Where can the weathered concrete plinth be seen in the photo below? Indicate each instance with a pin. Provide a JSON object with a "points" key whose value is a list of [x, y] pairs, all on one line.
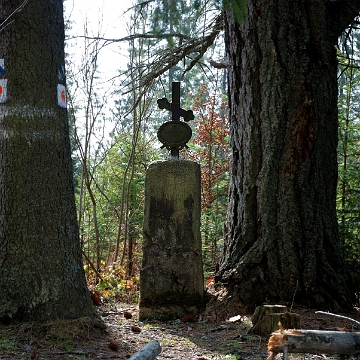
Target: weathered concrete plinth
{"points": [[171, 278]]}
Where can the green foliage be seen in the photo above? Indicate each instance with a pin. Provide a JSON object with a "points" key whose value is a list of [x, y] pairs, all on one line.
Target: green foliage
{"points": [[348, 194], [111, 171], [184, 36], [169, 14], [115, 283], [238, 9], [173, 13], [108, 185], [8, 346], [211, 150]]}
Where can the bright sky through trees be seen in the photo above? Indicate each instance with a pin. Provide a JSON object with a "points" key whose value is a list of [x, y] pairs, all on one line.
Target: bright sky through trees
{"points": [[107, 19]]}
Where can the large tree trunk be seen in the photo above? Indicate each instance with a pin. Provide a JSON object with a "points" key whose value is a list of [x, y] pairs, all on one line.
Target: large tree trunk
{"points": [[281, 235], [41, 273]]}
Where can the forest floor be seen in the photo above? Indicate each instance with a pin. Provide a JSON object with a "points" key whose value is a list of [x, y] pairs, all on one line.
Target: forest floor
{"points": [[117, 336]]}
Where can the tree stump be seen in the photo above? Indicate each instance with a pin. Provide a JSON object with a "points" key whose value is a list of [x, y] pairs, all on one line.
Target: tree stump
{"points": [[266, 318]]}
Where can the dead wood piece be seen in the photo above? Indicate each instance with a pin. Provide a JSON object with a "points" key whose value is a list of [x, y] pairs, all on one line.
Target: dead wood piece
{"points": [[266, 318], [149, 352], [339, 316], [265, 310], [314, 342]]}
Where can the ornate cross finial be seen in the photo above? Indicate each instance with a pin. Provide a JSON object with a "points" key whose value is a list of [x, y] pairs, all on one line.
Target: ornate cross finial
{"points": [[175, 134]]}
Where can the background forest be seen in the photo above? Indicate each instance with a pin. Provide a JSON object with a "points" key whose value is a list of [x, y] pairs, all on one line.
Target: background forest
{"points": [[114, 122]]}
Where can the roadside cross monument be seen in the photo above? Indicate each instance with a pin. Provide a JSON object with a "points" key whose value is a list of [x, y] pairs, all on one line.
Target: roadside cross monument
{"points": [[171, 277], [175, 134]]}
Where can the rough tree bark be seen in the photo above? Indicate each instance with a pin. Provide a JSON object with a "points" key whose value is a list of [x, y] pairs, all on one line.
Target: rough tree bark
{"points": [[41, 273], [281, 235]]}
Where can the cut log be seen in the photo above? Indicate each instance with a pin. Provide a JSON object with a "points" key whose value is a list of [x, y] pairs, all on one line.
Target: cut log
{"points": [[266, 318], [314, 342], [149, 352]]}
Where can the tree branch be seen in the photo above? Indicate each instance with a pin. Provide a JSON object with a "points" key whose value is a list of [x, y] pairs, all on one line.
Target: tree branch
{"points": [[173, 56], [134, 37], [341, 14], [339, 316], [3, 25]]}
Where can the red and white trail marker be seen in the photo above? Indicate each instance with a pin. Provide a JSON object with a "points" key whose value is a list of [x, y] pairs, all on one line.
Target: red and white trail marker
{"points": [[61, 94], [3, 90]]}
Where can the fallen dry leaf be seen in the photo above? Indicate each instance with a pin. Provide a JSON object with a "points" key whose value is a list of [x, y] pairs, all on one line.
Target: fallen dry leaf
{"points": [[135, 329], [95, 297], [114, 345], [127, 315], [188, 318], [341, 328]]}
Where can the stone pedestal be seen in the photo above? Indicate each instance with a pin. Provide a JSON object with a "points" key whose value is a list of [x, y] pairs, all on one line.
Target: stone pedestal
{"points": [[171, 278]]}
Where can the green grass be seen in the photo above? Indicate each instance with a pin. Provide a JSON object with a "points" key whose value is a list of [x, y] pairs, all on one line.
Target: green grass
{"points": [[8, 345]]}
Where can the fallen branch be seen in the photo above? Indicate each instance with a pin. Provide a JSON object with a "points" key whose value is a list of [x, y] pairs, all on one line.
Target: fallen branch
{"points": [[149, 352], [313, 342], [339, 316]]}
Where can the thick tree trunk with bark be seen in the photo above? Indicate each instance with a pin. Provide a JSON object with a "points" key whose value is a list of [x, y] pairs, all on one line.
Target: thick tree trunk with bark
{"points": [[281, 235], [41, 273]]}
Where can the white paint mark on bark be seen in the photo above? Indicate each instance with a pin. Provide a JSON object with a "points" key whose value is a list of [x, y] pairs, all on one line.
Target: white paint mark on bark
{"points": [[30, 137], [26, 111]]}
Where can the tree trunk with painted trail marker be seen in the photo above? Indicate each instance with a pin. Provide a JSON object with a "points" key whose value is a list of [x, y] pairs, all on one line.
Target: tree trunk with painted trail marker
{"points": [[41, 271]]}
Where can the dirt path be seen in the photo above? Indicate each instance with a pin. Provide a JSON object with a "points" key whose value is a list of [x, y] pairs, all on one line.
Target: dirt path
{"points": [[117, 336]]}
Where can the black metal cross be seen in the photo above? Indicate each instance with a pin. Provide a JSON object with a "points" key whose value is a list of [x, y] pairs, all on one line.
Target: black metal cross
{"points": [[175, 134], [174, 107]]}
